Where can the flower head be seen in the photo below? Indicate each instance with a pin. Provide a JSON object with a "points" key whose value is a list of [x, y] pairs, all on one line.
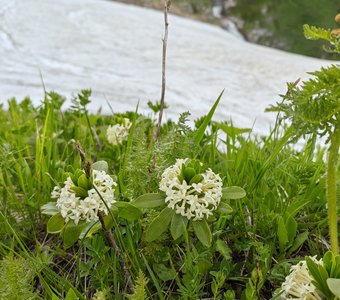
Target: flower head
{"points": [[189, 191], [77, 203], [117, 133], [298, 284]]}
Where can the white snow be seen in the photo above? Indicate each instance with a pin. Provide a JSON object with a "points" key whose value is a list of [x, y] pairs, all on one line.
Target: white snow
{"points": [[115, 49]]}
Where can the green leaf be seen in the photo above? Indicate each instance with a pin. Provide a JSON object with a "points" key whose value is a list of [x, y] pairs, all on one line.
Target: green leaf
{"points": [[84, 182], [315, 33], [202, 231], [233, 192], [49, 208], [71, 295], [282, 233], [223, 249], [188, 174], [149, 200], [100, 165], [196, 179], [164, 273], [300, 239], [291, 227], [224, 208], [55, 224], [80, 192], [334, 286], [200, 131], [128, 211], [71, 233], [159, 224], [178, 226], [328, 261]]}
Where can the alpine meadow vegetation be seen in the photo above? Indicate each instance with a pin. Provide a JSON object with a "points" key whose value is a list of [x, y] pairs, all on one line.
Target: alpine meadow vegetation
{"points": [[100, 207]]}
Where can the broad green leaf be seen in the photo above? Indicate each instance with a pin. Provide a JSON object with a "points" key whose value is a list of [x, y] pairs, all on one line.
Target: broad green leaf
{"points": [[291, 227], [71, 295], [80, 192], [178, 226], [196, 179], [298, 241], [128, 211], [188, 173], [84, 182], [224, 208], [49, 208], [334, 286], [282, 233], [233, 192], [159, 224], [328, 261], [164, 273], [149, 200], [202, 231], [100, 165], [223, 249], [71, 233], [335, 273], [55, 224], [90, 228], [200, 131]]}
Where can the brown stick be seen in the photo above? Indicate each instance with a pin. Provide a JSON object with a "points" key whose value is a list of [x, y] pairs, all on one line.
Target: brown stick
{"points": [[117, 251], [167, 4]]}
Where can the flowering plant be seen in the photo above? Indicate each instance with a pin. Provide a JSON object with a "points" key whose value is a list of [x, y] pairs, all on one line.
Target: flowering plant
{"points": [[192, 195], [117, 133], [82, 200]]}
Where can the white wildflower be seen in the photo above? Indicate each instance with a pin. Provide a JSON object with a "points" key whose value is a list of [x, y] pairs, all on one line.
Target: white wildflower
{"points": [[298, 284], [73, 207], [193, 201], [116, 134]]}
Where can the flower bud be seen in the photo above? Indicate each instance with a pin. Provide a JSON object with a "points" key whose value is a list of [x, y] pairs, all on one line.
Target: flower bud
{"points": [[337, 18]]}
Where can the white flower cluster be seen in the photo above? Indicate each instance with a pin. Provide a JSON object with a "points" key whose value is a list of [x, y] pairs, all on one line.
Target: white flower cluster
{"points": [[116, 134], [75, 208], [194, 201], [298, 284]]}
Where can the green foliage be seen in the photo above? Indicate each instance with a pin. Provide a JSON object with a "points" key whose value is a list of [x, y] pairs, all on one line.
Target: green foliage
{"points": [[278, 24], [315, 33], [16, 279], [228, 256], [140, 286], [326, 275], [314, 108]]}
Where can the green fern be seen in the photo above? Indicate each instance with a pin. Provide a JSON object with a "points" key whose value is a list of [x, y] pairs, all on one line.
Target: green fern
{"points": [[140, 287], [16, 279], [315, 33]]}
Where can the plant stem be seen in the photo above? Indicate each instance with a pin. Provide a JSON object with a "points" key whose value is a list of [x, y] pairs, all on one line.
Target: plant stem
{"points": [[117, 251], [333, 154], [167, 4]]}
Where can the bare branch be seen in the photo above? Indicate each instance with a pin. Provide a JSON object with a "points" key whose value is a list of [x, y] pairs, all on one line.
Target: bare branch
{"points": [[167, 4]]}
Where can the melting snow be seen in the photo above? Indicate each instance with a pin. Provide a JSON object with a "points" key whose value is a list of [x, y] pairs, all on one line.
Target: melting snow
{"points": [[115, 49]]}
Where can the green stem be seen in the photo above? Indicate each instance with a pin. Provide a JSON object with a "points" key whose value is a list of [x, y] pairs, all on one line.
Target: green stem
{"points": [[331, 190]]}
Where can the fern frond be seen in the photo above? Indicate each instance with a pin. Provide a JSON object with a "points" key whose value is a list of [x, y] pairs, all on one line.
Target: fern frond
{"points": [[16, 279], [140, 287]]}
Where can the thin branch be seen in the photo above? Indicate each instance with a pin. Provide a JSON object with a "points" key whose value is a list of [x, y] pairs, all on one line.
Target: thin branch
{"points": [[117, 251], [108, 232], [167, 4]]}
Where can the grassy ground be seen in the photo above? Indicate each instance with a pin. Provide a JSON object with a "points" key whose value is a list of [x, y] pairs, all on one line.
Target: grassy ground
{"points": [[281, 219]]}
